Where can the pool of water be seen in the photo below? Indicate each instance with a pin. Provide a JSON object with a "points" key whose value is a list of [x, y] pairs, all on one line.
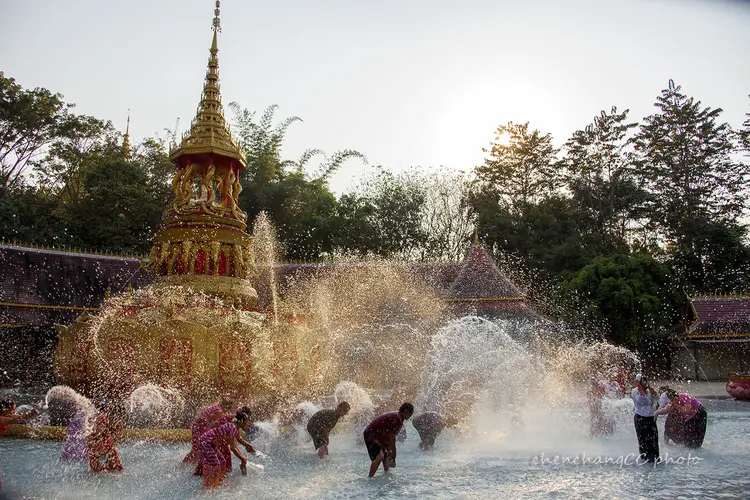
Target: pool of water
{"points": [[497, 460]]}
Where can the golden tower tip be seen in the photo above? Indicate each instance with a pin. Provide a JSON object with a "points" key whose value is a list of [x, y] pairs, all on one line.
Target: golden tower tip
{"points": [[209, 132], [126, 151]]}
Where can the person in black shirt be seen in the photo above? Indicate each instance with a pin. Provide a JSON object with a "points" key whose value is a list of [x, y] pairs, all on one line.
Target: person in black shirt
{"points": [[321, 423]]}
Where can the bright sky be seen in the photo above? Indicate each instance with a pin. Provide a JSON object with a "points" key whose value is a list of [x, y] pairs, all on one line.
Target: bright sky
{"points": [[406, 82]]}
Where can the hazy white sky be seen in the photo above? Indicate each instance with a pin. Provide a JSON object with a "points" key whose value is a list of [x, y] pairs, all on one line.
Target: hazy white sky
{"points": [[406, 82]]}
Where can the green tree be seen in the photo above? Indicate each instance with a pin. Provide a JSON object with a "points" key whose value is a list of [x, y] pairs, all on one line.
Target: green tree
{"points": [[546, 236], [29, 121], [635, 296], [69, 157], [745, 133], [599, 175], [520, 168], [117, 211], [30, 215], [300, 205], [687, 161], [383, 217]]}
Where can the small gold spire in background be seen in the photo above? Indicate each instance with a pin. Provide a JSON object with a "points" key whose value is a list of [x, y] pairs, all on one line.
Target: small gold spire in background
{"points": [[126, 140]]}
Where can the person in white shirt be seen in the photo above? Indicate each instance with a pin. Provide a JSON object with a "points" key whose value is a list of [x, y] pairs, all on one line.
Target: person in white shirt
{"points": [[644, 397]]}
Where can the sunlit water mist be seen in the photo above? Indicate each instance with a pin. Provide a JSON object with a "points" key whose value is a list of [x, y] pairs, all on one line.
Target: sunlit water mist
{"points": [[266, 250], [486, 376], [366, 316]]}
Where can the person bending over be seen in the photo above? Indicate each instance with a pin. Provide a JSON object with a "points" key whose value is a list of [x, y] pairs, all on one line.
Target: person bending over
{"points": [[429, 425], [380, 437], [321, 423]]}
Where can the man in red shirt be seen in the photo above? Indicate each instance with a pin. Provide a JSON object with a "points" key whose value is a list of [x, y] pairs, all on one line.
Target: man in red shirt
{"points": [[380, 437]]}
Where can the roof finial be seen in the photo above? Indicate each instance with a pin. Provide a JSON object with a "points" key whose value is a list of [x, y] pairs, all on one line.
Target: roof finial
{"points": [[209, 131], [217, 22], [126, 140]]}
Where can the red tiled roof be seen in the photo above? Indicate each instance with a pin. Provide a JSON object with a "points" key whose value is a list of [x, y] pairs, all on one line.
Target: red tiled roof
{"points": [[720, 317], [723, 309], [480, 278]]}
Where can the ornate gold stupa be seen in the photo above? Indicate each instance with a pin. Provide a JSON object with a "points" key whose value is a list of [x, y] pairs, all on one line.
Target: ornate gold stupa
{"points": [[197, 328]]}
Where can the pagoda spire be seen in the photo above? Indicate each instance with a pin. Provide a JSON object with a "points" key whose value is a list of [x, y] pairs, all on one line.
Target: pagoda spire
{"points": [[209, 132], [126, 151]]}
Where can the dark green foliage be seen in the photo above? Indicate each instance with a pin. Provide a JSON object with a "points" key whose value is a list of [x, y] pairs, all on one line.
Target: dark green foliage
{"points": [[29, 120], [599, 174], [687, 160], [117, 212], [383, 219], [634, 295]]}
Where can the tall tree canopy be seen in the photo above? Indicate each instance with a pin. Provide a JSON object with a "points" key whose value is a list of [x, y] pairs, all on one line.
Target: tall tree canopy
{"points": [[687, 160], [521, 165], [599, 175]]}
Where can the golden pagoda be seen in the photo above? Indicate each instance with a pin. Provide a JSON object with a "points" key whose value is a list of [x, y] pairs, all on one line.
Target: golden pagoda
{"points": [[197, 329], [203, 235]]}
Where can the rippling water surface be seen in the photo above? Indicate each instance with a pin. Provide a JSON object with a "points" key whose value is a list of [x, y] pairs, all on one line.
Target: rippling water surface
{"points": [[501, 461]]}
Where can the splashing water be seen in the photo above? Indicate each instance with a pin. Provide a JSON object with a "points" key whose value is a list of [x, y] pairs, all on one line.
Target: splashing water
{"points": [[153, 406], [266, 249], [63, 402], [472, 359], [358, 398]]}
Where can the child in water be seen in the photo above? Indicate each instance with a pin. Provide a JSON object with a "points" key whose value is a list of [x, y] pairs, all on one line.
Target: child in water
{"points": [[206, 418], [103, 440]]}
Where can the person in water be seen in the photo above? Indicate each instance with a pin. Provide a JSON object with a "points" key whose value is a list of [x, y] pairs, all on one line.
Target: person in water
{"points": [[644, 397], [204, 420], [673, 426], [226, 452], [691, 414], [215, 469], [380, 437], [102, 442], [429, 425], [321, 423], [601, 425], [8, 415], [74, 448]]}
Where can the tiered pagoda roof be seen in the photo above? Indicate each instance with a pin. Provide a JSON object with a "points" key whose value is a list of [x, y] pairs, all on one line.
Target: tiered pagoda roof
{"points": [[482, 288]]}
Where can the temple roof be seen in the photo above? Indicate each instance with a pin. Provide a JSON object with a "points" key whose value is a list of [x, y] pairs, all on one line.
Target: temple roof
{"points": [[720, 317], [480, 278], [43, 287]]}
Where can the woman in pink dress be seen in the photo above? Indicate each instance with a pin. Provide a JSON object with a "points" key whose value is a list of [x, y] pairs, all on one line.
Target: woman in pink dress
{"points": [[213, 441], [693, 416], [206, 418]]}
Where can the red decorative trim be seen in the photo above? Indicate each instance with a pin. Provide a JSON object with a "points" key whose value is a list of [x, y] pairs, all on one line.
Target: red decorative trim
{"points": [[181, 351]]}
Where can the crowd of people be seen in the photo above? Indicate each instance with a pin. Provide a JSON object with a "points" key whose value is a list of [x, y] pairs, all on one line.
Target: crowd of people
{"points": [[686, 417], [221, 429]]}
